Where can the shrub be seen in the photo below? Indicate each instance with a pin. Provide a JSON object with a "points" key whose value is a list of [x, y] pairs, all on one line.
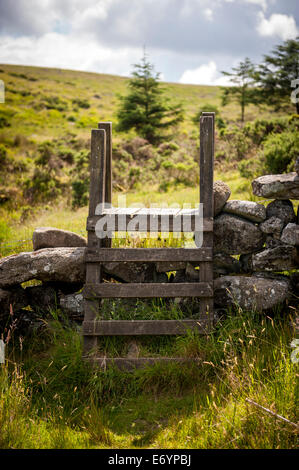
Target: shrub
{"points": [[42, 186], [81, 103], [80, 193], [280, 151], [54, 102], [3, 155], [259, 129]]}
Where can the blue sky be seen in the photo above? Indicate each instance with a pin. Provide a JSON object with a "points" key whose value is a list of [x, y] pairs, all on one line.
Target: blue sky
{"points": [[189, 41]]}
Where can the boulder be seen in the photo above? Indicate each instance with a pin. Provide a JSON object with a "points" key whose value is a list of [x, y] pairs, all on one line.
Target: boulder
{"points": [[285, 186], [42, 298], [166, 266], [72, 305], [273, 225], [49, 237], [134, 272], [281, 209], [250, 293], [226, 262], [246, 263], [248, 209], [290, 235], [273, 241], [280, 258], [11, 301], [221, 193], [66, 266], [49, 264], [234, 235]]}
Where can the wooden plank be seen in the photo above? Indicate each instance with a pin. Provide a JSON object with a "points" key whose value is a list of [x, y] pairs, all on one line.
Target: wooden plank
{"points": [[154, 211], [148, 290], [149, 255], [154, 222], [107, 127], [96, 196], [207, 142], [143, 327], [97, 169], [91, 306], [125, 363]]}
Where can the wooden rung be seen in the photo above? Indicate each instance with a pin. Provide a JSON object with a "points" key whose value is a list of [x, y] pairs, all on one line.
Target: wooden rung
{"points": [[138, 362], [143, 327], [103, 255], [153, 222], [138, 290]]}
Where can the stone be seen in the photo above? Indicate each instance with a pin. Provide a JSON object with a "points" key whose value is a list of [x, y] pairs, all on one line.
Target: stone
{"points": [[234, 235], [72, 305], [281, 209], [285, 186], [133, 349], [272, 225], [273, 241], [226, 262], [49, 237], [248, 209], [181, 276], [134, 272], [295, 283], [290, 235], [250, 293], [66, 266], [11, 301], [48, 264], [280, 258], [297, 166], [166, 266], [221, 193], [246, 263], [41, 298]]}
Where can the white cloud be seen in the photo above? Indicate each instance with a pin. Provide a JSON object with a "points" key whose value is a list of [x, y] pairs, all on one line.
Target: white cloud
{"points": [[68, 51], [279, 25], [208, 13], [205, 74]]}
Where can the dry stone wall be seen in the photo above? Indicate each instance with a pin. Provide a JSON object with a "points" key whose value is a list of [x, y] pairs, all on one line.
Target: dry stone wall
{"points": [[256, 258]]}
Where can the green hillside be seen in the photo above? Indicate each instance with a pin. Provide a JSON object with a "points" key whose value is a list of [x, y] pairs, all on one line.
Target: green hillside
{"points": [[43, 102]]}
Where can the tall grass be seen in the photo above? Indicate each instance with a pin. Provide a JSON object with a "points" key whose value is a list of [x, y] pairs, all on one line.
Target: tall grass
{"points": [[50, 398]]}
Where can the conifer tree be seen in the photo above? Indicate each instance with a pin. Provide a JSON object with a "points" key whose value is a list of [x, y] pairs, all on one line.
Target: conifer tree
{"points": [[244, 90], [145, 108], [276, 74]]}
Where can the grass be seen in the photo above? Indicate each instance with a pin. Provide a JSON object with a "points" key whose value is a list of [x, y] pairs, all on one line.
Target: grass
{"points": [[50, 399]]}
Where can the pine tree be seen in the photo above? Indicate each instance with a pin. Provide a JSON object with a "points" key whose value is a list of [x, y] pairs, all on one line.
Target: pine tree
{"points": [[145, 108], [244, 91], [276, 73]]}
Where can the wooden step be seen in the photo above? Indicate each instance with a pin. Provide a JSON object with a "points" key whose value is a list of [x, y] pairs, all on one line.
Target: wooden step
{"points": [[103, 255], [150, 220], [144, 327], [148, 290], [138, 362]]}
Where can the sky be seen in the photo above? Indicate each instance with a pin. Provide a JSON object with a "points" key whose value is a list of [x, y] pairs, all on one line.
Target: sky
{"points": [[188, 41]]}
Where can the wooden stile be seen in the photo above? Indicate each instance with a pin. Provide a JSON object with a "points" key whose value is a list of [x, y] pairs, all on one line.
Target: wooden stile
{"points": [[99, 251]]}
